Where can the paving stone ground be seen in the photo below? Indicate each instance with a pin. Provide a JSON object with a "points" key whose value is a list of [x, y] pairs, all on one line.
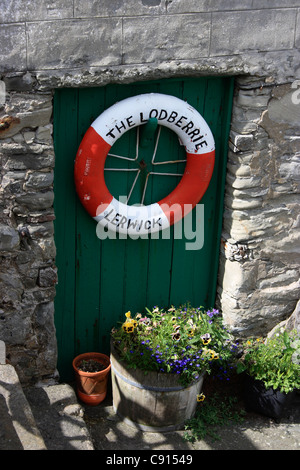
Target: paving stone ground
{"points": [[52, 418], [255, 432]]}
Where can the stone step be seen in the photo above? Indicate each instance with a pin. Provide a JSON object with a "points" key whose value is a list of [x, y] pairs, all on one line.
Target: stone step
{"points": [[18, 429], [39, 418], [59, 417]]}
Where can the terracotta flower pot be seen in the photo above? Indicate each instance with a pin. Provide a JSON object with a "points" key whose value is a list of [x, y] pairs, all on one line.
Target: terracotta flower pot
{"points": [[92, 386]]}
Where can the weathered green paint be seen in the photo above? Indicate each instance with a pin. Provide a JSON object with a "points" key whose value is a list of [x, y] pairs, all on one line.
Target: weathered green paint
{"points": [[147, 132], [98, 281]]}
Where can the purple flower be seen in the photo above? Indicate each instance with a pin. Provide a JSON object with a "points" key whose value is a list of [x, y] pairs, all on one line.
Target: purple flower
{"points": [[214, 312]]}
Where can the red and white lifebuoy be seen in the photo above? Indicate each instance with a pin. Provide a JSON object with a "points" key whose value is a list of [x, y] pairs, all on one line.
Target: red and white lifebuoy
{"points": [[171, 112]]}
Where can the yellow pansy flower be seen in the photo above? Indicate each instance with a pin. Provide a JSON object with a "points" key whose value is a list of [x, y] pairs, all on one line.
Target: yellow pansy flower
{"points": [[128, 327], [206, 339], [201, 397]]}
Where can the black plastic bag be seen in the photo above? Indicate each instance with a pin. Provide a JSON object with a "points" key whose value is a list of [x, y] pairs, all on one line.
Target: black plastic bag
{"points": [[268, 402]]}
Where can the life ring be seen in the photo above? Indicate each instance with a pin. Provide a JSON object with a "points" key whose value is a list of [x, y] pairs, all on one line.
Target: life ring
{"points": [[193, 133]]}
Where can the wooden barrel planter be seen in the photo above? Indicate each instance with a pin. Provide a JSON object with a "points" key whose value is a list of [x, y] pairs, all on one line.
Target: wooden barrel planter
{"points": [[152, 401]]}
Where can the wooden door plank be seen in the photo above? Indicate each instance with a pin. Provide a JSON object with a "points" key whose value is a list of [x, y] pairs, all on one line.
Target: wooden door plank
{"points": [[161, 249], [65, 142], [137, 251], [91, 103], [184, 262], [113, 260], [218, 109], [196, 266]]}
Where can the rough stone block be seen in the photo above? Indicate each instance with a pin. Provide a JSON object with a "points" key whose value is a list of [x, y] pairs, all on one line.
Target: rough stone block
{"points": [[241, 142], [44, 134], [16, 329], [242, 204], [12, 12], [42, 230], [13, 47], [25, 110], [19, 82], [9, 238], [189, 6], [36, 201], [13, 181], [259, 30], [47, 277], [297, 38], [30, 161], [28, 137], [294, 321], [177, 37], [257, 4], [237, 279], [2, 352], [287, 108], [39, 180], [290, 169], [253, 100], [107, 8], [239, 170], [74, 43]]}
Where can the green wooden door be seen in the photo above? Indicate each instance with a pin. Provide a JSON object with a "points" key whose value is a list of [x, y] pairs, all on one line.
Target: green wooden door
{"points": [[99, 280]]}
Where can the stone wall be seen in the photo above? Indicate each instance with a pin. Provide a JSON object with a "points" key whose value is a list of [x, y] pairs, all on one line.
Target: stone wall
{"points": [[67, 43], [27, 249], [259, 264]]}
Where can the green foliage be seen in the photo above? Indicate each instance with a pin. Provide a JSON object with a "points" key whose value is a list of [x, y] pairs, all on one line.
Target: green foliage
{"points": [[213, 413], [276, 361], [185, 341]]}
